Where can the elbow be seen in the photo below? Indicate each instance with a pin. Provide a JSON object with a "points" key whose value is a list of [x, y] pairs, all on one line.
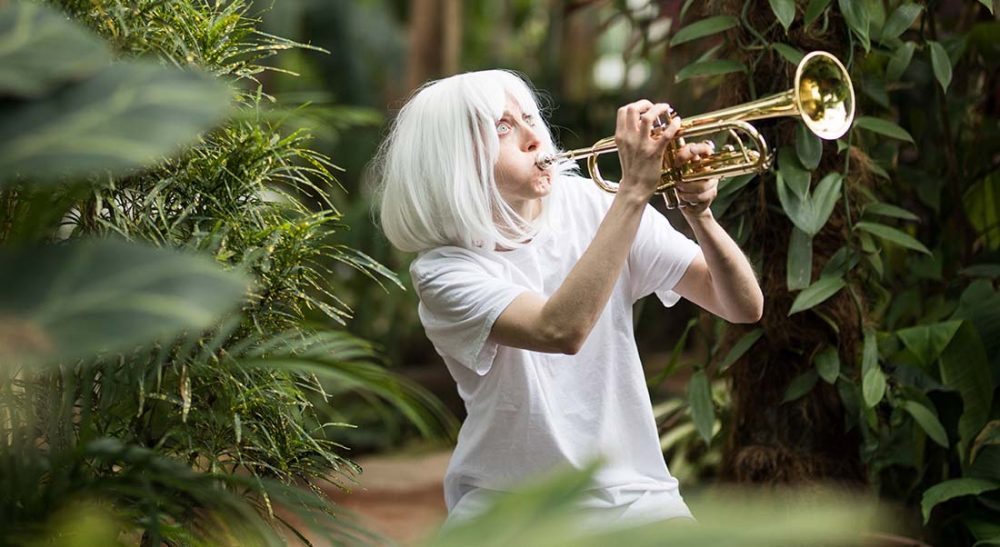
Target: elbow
{"points": [[566, 341], [752, 312]]}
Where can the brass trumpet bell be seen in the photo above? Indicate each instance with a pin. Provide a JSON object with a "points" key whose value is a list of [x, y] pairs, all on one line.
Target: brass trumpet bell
{"points": [[822, 96]]}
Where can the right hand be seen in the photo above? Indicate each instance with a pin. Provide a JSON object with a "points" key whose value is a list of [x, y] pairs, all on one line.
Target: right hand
{"points": [[639, 150]]}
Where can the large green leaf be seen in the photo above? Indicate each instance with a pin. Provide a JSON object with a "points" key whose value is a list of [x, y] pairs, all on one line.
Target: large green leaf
{"points": [[700, 401], [791, 54], [808, 147], [928, 341], [784, 11], [940, 63], [39, 49], [704, 27], [800, 254], [73, 301], [883, 127], [128, 116], [954, 488], [858, 18], [814, 9], [873, 386], [816, 294], [900, 60], [794, 173], [800, 385], [810, 213], [712, 67], [886, 209], [927, 421], [740, 347], [964, 367], [901, 19], [892, 234], [982, 205], [828, 364]]}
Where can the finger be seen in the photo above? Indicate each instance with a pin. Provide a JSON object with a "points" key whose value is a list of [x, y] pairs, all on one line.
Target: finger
{"points": [[651, 116], [695, 150], [671, 130], [635, 110]]}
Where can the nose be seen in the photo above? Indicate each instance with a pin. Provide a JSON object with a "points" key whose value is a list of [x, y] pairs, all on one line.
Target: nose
{"points": [[529, 140]]}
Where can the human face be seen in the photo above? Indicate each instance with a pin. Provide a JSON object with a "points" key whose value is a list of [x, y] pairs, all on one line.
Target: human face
{"points": [[520, 181]]}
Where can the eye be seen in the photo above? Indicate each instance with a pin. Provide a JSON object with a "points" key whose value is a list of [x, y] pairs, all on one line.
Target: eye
{"points": [[530, 120], [503, 128]]}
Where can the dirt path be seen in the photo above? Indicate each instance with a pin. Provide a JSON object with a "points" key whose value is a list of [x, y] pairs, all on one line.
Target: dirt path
{"points": [[400, 497]]}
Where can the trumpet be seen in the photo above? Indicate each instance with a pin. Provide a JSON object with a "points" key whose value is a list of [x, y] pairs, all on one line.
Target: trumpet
{"points": [[822, 96]]}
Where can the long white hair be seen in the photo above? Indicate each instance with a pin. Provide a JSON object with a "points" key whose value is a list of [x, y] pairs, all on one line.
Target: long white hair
{"points": [[433, 175]]}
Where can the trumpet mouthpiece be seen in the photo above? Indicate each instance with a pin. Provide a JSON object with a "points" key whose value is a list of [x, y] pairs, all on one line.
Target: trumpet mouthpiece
{"points": [[545, 160]]}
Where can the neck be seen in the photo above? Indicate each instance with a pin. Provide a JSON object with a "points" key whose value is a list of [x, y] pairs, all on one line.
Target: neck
{"points": [[528, 209]]}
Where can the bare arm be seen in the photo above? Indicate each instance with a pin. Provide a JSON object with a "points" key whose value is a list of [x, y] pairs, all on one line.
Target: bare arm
{"points": [[562, 322]]}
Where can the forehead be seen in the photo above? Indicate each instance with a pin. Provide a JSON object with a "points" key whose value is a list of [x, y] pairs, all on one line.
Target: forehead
{"points": [[513, 108]]}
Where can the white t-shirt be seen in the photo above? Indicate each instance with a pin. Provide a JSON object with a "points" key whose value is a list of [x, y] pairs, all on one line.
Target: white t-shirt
{"points": [[530, 412]]}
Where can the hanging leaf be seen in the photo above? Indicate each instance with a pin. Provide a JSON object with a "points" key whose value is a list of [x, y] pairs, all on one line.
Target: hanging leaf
{"points": [[77, 300], [128, 116], [892, 234], [808, 147], [825, 198], [940, 63], [927, 421], [704, 27], [869, 356], [800, 385], [858, 18], [888, 210], [964, 367], [791, 54], [742, 345], [700, 401], [944, 491], [988, 4], [927, 342], [784, 10], [42, 49], [883, 127], [709, 68], [982, 207], [800, 254], [814, 9], [899, 61], [901, 19], [828, 364], [817, 293], [873, 386], [793, 171]]}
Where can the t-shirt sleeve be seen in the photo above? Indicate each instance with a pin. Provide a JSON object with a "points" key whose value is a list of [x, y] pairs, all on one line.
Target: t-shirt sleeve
{"points": [[659, 257], [460, 300]]}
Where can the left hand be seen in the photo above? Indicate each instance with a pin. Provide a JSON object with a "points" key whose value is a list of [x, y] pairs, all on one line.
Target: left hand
{"points": [[700, 194]]}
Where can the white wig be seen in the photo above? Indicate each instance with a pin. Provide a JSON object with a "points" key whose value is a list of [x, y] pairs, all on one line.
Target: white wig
{"points": [[434, 176]]}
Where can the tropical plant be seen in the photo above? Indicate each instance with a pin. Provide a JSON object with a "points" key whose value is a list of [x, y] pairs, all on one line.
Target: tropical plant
{"points": [[877, 360], [126, 375]]}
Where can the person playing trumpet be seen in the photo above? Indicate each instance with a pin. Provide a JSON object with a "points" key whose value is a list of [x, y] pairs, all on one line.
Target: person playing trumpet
{"points": [[527, 277]]}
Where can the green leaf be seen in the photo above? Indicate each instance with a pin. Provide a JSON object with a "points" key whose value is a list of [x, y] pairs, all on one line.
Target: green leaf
{"points": [[991, 271], [791, 54], [784, 10], [892, 234], [128, 116], [808, 147], [940, 63], [77, 300], [901, 19], [883, 127], [951, 489], [814, 9], [800, 254], [928, 341], [800, 385], [965, 368], [869, 355], [989, 436], [888, 210], [900, 60], [988, 4], [704, 27], [928, 421], [709, 68], [873, 386], [817, 293], [828, 364], [702, 409], [982, 207], [742, 345], [793, 172], [825, 199], [857, 17], [40, 49]]}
